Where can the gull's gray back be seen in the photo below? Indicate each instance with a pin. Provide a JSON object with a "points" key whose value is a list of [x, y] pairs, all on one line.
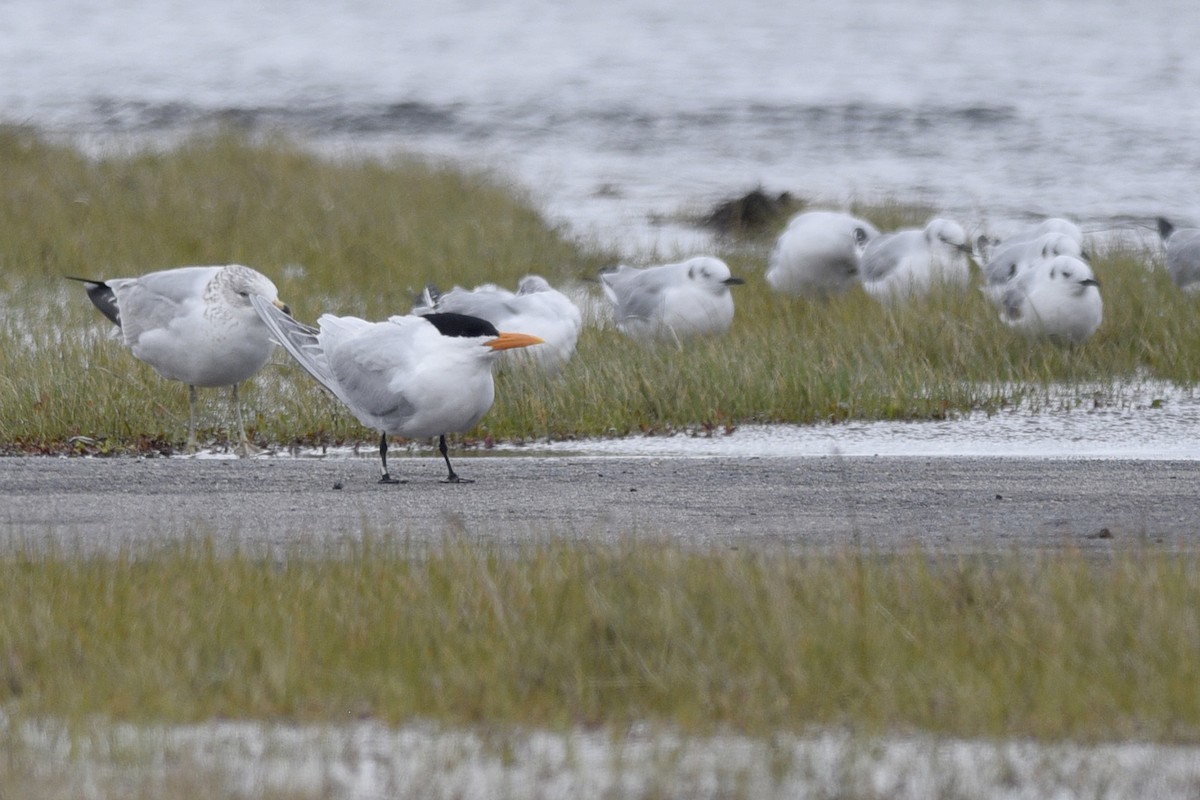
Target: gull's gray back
{"points": [[884, 253], [1183, 257]]}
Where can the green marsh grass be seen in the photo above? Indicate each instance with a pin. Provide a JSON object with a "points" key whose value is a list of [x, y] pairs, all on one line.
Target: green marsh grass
{"points": [[361, 235], [559, 635]]}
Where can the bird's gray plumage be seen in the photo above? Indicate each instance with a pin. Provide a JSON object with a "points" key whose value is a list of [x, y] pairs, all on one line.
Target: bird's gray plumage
{"points": [[1182, 247]]}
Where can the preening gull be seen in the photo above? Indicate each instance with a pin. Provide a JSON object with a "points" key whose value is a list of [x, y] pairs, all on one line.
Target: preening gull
{"points": [[819, 253], [195, 325]]}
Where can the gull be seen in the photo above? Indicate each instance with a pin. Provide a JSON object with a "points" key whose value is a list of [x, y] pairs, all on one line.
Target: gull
{"points": [[910, 262], [672, 301], [536, 308], [1183, 254], [1011, 259], [818, 253], [1058, 298], [412, 376], [193, 324], [1028, 233]]}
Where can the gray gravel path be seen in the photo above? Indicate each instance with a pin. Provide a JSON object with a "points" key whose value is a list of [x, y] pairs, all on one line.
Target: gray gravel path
{"points": [[947, 504]]}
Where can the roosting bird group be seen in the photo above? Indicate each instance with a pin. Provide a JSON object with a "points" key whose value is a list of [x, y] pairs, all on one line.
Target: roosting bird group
{"points": [[428, 373]]}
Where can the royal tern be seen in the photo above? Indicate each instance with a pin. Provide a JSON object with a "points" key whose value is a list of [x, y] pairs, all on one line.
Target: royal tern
{"points": [[193, 324], [1058, 298], [1183, 254], [411, 376], [910, 262], [536, 308], [672, 301], [818, 253]]}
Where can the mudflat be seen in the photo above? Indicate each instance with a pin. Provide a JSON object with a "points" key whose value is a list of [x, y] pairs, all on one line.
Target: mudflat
{"points": [[831, 502]]}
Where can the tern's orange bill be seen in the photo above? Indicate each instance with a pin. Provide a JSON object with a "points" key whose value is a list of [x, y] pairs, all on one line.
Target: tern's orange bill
{"points": [[507, 341]]}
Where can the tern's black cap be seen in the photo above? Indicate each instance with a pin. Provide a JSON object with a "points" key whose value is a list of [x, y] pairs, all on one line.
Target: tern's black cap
{"points": [[449, 324]]}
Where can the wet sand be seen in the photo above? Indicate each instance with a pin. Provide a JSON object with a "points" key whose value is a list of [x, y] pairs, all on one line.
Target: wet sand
{"points": [[885, 503]]}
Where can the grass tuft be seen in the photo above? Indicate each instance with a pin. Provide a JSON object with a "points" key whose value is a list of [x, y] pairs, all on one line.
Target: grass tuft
{"points": [[362, 236], [561, 634]]}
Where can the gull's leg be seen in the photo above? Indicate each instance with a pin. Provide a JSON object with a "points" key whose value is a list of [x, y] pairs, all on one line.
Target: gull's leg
{"points": [[383, 461], [245, 449], [191, 440], [453, 476]]}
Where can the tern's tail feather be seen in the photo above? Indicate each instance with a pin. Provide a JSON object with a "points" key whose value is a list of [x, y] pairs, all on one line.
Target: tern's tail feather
{"points": [[298, 339]]}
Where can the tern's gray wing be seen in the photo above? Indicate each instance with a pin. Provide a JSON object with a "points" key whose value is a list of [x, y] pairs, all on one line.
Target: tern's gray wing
{"points": [[373, 364], [1183, 256], [884, 253]]}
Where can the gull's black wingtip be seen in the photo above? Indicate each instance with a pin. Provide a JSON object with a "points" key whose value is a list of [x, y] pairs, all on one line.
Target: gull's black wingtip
{"points": [[1165, 228], [102, 297]]}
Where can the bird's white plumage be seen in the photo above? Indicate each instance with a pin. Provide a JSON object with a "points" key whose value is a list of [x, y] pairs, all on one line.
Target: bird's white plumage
{"points": [[908, 263], [193, 324], [1010, 259], [818, 253], [1027, 233], [1182, 246], [1058, 298], [401, 376], [672, 301], [406, 376], [535, 308], [196, 324]]}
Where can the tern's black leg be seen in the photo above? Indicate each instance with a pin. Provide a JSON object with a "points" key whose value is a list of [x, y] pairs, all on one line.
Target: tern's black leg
{"points": [[383, 461], [453, 476]]}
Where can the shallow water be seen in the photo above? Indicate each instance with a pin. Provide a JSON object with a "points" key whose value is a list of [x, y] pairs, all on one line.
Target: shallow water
{"points": [[1155, 422], [369, 760], [616, 114]]}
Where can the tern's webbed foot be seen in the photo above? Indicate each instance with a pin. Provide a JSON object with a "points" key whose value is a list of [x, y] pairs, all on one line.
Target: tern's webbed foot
{"points": [[456, 479], [389, 479]]}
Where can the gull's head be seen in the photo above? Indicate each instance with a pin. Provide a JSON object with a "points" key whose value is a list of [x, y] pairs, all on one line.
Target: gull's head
{"points": [[533, 283], [1073, 275], [947, 233], [1059, 244], [475, 330], [862, 235], [1063, 226], [711, 273], [238, 283], [983, 247]]}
